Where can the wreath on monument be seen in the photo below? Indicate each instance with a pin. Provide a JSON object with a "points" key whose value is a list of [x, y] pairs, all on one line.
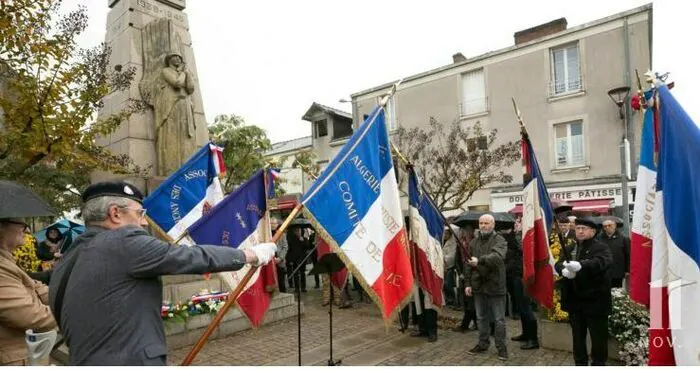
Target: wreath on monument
{"points": [[205, 302]]}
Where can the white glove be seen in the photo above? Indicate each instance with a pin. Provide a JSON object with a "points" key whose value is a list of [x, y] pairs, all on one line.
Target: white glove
{"points": [[568, 274], [572, 266], [473, 261], [264, 252]]}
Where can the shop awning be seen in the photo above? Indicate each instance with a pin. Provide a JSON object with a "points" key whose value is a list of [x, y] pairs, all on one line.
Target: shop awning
{"points": [[598, 206]]}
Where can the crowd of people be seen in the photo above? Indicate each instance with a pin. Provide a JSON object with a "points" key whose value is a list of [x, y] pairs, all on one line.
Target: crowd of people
{"points": [[482, 277]]}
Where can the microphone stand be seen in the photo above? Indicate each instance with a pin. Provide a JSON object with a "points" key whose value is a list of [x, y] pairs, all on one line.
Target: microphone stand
{"points": [[296, 273]]}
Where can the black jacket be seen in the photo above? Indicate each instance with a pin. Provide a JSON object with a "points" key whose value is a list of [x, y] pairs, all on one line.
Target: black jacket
{"points": [[589, 291], [514, 256], [620, 248], [297, 248], [489, 276]]}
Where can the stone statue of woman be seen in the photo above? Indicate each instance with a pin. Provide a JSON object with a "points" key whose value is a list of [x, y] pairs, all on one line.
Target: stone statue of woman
{"points": [[174, 115]]}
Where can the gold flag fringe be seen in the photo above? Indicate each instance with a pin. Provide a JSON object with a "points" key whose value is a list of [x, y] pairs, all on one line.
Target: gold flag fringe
{"points": [[388, 320]]}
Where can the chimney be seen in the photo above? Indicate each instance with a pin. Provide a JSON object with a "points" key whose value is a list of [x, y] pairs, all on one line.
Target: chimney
{"points": [[542, 30], [458, 58]]}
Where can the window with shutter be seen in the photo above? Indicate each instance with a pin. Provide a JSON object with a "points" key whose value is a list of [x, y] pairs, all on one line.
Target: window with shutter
{"points": [[473, 93]]}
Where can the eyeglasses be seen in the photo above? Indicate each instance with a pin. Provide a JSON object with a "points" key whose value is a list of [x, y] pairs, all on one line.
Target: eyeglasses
{"points": [[141, 211], [26, 226]]}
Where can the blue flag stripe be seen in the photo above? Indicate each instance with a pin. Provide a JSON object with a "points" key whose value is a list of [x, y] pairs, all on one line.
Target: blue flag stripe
{"points": [[541, 187], [233, 219], [425, 207], [343, 194], [182, 191], [354, 141], [646, 156], [679, 174]]}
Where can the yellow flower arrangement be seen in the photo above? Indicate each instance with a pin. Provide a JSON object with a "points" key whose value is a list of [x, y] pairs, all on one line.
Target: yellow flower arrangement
{"points": [[556, 314], [25, 255]]}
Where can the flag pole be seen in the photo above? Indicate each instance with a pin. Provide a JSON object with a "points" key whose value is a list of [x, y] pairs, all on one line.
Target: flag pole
{"points": [[427, 195], [233, 296], [526, 137]]}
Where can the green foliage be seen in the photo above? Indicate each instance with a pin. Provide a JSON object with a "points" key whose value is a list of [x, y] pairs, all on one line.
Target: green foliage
{"points": [[244, 148], [456, 161], [50, 94]]}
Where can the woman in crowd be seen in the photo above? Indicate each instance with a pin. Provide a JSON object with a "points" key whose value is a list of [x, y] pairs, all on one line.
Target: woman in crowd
{"points": [[23, 301]]}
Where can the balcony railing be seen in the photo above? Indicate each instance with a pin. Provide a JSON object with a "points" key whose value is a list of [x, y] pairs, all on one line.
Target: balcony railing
{"points": [[570, 86]]}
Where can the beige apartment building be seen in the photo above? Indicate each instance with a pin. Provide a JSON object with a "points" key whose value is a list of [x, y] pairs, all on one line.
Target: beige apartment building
{"points": [[560, 78]]}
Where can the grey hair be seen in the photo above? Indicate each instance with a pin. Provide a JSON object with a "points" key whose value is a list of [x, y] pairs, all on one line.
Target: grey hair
{"points": [[97, 209]]}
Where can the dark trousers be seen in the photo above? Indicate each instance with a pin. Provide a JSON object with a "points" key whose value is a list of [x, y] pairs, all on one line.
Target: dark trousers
{"points": [[449, 287], [296, 280], [469, 315], [427, 320], [527, 317], [597, 325], [616, 282], [513, 302], [281, 280], [314, 259]]}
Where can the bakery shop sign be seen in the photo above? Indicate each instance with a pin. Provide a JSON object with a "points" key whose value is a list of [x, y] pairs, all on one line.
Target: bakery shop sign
{"points": [[573, 195]]}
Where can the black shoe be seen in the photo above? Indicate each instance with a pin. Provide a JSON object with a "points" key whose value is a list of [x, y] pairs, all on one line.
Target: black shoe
{"points": [[477, 350], [461, 329], [530, 345], [503, 355], [519, 338], [432, 338], [516, 317]]}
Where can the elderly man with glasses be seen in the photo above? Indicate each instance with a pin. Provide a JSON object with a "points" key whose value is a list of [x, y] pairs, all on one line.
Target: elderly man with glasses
{"points": [[619, 246], [585, 292], [106, 293]]}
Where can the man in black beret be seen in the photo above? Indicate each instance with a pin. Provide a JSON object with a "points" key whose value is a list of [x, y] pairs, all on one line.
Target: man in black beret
{"points": [[585, 292], [106, 293]]}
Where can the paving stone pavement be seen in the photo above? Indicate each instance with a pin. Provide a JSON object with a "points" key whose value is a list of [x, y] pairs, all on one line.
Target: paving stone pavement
{"points": [[359, 338]]}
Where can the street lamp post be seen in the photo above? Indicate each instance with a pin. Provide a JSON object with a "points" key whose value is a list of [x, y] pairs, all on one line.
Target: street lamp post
{"points": [[619, 96]]}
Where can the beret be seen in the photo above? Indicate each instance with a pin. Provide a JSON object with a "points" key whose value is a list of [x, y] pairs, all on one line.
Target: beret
{"points": [[112, 188], [587, 221]]}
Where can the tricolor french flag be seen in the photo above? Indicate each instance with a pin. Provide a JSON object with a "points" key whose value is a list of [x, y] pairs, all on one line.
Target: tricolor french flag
{"points": [[188, 193], [355, 205], [427, 227], [645, 199], [538, 262], [676, 235], [241, 220]]}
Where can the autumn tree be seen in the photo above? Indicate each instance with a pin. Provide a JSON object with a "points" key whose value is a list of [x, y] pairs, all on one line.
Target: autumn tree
{"points": [[244, 148], [50, 93], [455, 161]]}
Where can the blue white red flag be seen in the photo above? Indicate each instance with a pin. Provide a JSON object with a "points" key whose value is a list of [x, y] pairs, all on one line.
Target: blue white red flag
{"points": [[538, 262], [241, 220], [355, 205], [645, 198], [676, 242], [427, 227], [188, 193]]}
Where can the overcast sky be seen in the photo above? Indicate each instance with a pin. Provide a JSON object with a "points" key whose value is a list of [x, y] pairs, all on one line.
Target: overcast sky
{"points": [[269, 60]]}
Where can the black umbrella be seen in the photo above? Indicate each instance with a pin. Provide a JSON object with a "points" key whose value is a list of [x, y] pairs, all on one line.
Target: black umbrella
{"points": [[17, 201], [599, 220], [468, 218], [301, 223], [471, 218], [504, 220]]}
